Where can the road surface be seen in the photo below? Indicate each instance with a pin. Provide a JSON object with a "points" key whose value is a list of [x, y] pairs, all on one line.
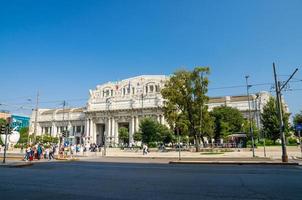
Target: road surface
{"points": [[96, 180]]}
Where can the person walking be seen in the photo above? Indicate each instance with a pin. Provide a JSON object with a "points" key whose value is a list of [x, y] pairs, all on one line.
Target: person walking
{"points": [[145, 149], [39, 151], [27, 153]]}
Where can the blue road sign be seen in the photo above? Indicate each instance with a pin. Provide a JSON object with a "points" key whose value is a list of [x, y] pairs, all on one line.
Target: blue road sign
{"points": [[299, 127]]}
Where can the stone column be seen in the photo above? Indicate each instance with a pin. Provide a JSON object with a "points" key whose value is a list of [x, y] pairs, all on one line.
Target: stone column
{"points": [[86, 130], [90, 130], [113, 130], [136, 123], [158, 118], [131, 133], [94, 133], [163, 120], [70, 129], [53, 132], [108, 128], [116, 134]]}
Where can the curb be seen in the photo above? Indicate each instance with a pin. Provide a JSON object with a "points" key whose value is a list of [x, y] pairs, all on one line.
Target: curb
{"points": [[233, 163], [17, 165], [66, 159]]}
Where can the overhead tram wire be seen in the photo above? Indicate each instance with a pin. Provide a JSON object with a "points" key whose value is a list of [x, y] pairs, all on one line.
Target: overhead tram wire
{"points": [[85, 99]]}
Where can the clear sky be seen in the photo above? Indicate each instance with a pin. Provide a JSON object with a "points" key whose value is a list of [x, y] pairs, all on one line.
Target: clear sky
{"points": [[64, 48]]}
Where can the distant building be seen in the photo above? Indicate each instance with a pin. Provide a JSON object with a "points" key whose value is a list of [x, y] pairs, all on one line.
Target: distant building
{"points": [[4, 114], [124, 104]]}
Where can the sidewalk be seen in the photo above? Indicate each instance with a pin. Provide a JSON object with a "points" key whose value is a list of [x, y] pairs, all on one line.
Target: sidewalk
{"points": [[271, 153], [238, 156]]}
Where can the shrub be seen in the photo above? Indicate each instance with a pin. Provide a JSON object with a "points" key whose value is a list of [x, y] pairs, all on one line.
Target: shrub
{"points": [[291, 141]]}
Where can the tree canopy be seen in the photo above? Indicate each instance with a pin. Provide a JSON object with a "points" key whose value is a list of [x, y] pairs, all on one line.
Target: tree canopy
{"points": [[123, 135], [298, 118], [185, 95], [152, 131], [270, 120], [227, 120]]}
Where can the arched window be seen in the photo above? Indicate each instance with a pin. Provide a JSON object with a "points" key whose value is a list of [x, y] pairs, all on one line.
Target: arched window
{"points": [[151, 88]]}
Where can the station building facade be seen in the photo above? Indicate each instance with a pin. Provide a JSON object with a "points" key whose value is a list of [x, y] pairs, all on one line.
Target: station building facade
{"points": [[124, 104]]}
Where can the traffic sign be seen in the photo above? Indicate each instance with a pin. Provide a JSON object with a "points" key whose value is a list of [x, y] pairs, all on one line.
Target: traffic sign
{"points": [[299, 127]]}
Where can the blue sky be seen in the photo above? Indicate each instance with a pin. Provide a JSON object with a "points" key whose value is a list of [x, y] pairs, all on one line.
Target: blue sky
{"points": [[65, 48]]}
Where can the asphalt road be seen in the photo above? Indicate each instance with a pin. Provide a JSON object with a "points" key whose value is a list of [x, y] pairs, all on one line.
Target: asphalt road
{"points": [[94, 180]]}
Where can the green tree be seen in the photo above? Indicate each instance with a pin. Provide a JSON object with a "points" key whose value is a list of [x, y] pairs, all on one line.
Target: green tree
{"points": [[46, 139], [2, 121], [137, 136], [185, 101], [149, 129], [270, 120], [123, 135], [227, 120], [298, 118], [246, 129], [23, 135], [166, 135]]}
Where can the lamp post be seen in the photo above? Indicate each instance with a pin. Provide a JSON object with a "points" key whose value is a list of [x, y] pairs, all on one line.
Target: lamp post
{"points": [[108, 103], [258, 117], [250, 120], [179, 156]]}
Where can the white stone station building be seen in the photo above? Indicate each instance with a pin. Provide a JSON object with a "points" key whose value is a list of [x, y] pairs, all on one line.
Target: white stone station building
{"points": [[123, 104]]}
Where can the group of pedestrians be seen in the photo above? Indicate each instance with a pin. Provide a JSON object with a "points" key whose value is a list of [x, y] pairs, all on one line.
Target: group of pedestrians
{"points": [[39, 151]]}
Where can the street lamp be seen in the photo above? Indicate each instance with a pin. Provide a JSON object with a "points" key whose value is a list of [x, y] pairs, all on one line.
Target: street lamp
{"points": [[258, 111], [250, 120], [108, 103]]}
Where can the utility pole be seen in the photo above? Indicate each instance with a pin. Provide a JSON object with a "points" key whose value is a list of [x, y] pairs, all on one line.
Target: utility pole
{"points": [[279, 88], [299, 135], [261, 130], [36, 118], [7, 129], [63, 119], [250, 119], [258, 116], [177, 130]]}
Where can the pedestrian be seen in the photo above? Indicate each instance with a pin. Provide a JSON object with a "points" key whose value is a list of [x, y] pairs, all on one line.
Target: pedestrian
{"points": [[145, 149], [50, 156], [27, 153], [47, 152], [39, 151]]}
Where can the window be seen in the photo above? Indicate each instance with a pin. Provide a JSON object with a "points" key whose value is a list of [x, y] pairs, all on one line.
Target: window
{"points": [[151, 88], [78, 129], [133, 90], [111, 92], [146, 89], [157, 88]]}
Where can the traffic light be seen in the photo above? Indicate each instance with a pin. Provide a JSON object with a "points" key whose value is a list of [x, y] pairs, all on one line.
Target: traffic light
{"points": [[63, 133], [3, 129]]}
